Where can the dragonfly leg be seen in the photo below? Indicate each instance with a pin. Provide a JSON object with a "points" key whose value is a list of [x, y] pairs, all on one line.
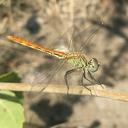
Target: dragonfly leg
{"points": [[66, 77], [97, 82], [82, 83], [84, 75], [43, 89]]}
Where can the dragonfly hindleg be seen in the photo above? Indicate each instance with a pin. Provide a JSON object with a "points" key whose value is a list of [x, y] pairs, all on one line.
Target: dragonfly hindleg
{"points": [[66, 77]]}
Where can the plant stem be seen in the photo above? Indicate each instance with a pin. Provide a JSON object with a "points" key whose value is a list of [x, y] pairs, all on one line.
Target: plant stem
{"points": [[95, 90]]}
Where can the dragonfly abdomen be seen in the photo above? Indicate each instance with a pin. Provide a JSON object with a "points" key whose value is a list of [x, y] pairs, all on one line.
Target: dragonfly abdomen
{"points": [[32, 45]]}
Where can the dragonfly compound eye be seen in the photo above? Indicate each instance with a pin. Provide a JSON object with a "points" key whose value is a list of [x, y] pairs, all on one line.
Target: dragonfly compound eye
{"points": [[93, 65]]}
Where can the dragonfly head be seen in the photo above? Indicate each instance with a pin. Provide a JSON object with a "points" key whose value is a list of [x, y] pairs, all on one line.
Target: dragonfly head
{"points": [[93, 65]]}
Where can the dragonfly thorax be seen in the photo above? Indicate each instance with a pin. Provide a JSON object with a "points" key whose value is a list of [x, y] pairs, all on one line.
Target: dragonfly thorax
{"points": [[81, 61], [77, 60]]}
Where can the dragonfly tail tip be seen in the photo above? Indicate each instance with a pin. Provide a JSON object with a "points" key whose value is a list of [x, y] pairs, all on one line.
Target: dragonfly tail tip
{"points": [[9, 37]]}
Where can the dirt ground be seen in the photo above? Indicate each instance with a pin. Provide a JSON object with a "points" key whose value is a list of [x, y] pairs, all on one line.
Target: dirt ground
{"points": [[52, 23]]}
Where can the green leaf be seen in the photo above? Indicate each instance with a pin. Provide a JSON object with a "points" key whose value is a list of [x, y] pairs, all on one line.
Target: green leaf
{"points": [[10, 77], [11, 110]]}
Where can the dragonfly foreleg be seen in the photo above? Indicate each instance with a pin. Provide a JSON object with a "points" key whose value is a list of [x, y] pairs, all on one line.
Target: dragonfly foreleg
{"points": [[97, 82], [84, 75], [82, 83], [66, 77]]}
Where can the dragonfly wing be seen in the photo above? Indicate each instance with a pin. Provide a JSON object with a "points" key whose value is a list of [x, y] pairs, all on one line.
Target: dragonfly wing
{"points": [[46, 77]]}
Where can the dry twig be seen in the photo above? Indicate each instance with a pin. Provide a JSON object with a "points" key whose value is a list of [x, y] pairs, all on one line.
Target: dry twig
{"points": [[96, 90]]}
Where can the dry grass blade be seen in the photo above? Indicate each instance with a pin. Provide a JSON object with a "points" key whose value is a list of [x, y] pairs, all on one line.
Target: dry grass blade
{"points": [[76, 90]]}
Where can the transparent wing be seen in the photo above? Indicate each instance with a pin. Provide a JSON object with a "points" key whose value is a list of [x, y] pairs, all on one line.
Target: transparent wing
{"points": [[92, 33], [73, 37], [48, 76]]}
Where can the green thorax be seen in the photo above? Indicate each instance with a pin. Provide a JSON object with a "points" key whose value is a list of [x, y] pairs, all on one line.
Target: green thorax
{"points": [[77, 60]]}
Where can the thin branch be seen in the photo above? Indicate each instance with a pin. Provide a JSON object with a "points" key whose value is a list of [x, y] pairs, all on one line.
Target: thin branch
{"points": [[96, 90]]}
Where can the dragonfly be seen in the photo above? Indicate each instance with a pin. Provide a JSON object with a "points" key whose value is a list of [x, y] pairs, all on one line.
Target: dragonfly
{"points": [[78, 60]]}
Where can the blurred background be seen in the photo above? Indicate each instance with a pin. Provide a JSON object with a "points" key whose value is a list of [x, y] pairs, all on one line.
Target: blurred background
{"points": [[52, 23]]}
